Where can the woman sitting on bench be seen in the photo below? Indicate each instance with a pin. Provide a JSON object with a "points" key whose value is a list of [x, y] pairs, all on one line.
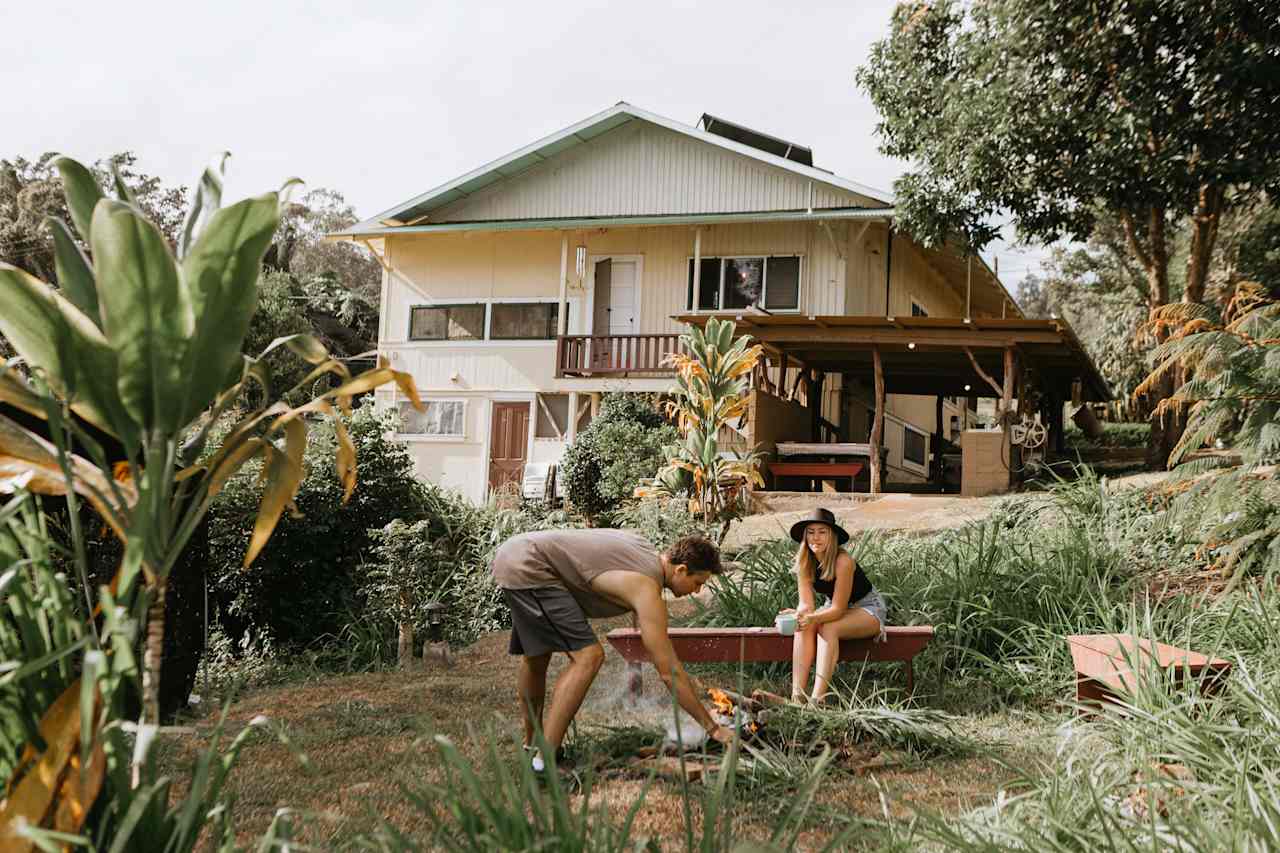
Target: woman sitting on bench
{"points": [[855, 610]]}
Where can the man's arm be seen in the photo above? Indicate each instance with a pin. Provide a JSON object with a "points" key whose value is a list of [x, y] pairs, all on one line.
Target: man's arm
{"points": [[644, 597]]}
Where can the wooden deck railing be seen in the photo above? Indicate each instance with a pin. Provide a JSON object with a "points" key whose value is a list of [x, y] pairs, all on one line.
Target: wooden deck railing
{"points": [[615, 355]]}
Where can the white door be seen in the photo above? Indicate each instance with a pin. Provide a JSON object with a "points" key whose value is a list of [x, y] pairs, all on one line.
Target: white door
{"points": [[622, 299]]}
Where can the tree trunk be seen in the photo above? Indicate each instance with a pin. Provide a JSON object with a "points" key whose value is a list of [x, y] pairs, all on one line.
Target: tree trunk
{"points": [[1204, 235], [404, 645]]}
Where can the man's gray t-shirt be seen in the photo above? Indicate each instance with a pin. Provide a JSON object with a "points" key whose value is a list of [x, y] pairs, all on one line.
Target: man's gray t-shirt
{"points": [[570, 559]]}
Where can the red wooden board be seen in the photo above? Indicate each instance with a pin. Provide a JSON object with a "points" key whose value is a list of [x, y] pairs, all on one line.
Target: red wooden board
{"points": [[731, 645]]}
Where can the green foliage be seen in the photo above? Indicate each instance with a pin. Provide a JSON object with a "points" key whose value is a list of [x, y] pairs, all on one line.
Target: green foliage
{"points": [[1238, 522], [662, 521], [1041, 109], [444, 555], [1113, 435], [1258, 255], [754, 595], [1233, 365], [619, 448], [308, 577], [713, 378]]}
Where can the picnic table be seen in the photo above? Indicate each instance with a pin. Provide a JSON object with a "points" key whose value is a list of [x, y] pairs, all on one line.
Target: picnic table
{"points": [[816, 461], [1107, 663], [742, 645]]}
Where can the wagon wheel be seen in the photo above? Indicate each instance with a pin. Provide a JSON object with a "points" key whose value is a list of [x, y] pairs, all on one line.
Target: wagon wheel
{"points": [[1034, 435]]}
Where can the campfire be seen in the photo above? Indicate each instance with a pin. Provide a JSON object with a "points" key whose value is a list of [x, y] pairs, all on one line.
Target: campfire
{"points": [[733, 714]]}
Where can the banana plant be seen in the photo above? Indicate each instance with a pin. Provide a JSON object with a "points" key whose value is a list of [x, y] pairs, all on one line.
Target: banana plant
{"points": [[143, 341], [713, 381]]}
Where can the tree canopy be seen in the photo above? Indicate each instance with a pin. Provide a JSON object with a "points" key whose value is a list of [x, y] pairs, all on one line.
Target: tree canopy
{"points": [[1059, 111]]}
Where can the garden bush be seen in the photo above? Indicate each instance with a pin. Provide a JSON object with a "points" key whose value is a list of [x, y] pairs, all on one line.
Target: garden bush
{"points": [[444, 555], [309, 576], [1113, 435], [621, 447]]}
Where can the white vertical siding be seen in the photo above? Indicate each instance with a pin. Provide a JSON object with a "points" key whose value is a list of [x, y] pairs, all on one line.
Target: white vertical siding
{"points": [[643, 169]]}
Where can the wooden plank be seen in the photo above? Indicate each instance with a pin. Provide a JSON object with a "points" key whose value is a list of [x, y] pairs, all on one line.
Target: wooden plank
{"points": [[816, 469], [732, 645]]}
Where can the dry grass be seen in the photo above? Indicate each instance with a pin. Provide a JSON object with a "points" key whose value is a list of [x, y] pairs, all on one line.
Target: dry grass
{"points": [[363, 737]]}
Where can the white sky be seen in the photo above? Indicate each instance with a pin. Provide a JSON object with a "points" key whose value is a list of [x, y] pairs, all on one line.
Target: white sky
{"points": [[385, 100]]}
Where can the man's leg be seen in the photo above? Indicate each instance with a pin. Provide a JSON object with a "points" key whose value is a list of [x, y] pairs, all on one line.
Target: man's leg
{"points": [[532, 689], [571, 689]]}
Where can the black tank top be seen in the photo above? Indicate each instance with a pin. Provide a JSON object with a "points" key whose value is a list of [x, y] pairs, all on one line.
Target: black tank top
{"points": [[861, 586]]}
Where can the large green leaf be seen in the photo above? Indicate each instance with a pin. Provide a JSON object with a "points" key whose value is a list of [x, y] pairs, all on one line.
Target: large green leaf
{"points": [[204, 203], [146, 314], [221, 271], [82, 192], [56, 337], [74, 274]]}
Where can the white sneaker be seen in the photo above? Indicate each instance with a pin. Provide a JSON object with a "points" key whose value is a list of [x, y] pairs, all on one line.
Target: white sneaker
{"points": [[535, 761]]}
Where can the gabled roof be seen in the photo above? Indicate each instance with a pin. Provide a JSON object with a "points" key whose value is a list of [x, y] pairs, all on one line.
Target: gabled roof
{"points": [[522, 159]]}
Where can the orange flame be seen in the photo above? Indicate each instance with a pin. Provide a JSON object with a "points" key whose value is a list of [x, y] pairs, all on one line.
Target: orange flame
{"points": [[721, 700]]}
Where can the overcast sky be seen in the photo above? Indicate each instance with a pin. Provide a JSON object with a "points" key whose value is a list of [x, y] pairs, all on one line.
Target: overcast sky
{"points": [[382, 101]]}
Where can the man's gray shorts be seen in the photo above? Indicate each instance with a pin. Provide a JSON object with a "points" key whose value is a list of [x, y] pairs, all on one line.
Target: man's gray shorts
{"points": [[547, 619]]}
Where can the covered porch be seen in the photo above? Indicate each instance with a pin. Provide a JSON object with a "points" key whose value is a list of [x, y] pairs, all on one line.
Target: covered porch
{"points": [[1030, 368]]}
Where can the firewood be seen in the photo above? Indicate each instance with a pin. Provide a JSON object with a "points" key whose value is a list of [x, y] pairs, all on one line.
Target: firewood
{"points": [[764, 697], [749, 703]]}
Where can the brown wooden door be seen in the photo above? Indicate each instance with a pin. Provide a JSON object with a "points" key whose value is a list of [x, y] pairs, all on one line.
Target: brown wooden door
{"points": [[508, 443], [600, 356]]}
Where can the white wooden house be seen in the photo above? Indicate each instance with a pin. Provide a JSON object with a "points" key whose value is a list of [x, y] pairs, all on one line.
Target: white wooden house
{"points": [[517, 293]]}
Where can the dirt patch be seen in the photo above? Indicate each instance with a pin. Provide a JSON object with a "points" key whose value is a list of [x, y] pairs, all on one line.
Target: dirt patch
{"points": [[909, 514]]}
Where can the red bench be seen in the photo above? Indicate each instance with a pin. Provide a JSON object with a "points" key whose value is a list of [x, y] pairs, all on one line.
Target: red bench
{"points": [[742, 645], [817, 470], [1106, 663]]}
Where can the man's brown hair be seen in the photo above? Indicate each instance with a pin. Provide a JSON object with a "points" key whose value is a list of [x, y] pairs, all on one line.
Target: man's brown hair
{"points": [[697, 554]]}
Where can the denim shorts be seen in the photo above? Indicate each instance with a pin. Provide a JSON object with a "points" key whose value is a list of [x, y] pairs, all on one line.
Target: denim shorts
{"points": [[874, 604]]}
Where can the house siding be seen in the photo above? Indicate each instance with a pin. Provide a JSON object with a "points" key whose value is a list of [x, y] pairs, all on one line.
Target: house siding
{"points": [[643, 169]]}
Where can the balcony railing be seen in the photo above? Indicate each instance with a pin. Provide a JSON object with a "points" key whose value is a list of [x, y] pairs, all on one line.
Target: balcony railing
{"points": [[615, 355]]}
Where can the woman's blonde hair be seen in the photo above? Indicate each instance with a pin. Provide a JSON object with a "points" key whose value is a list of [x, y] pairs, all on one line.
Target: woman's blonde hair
{"points": [[807, 561]]}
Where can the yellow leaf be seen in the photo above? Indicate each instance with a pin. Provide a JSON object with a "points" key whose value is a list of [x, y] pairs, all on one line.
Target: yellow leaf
{"points": [[346, 459], [32, 797], [79, 791], [232, 462], [282, 474]]}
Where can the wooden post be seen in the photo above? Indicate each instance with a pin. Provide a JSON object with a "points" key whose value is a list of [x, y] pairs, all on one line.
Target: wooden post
{"points": [[563, 316], [782, 374], [877, 425], [1006, 396], [815, 406], [697, 270], [936, 443]]}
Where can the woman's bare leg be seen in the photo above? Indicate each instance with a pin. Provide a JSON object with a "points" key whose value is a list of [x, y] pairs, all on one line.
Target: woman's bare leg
{"points": [[856, 624], [802, 648]]}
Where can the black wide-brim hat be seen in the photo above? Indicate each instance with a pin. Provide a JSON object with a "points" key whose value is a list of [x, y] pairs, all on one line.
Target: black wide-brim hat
{"points": [[819, 516]]}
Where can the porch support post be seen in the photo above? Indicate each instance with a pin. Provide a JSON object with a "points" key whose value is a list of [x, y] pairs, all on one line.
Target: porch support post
{"points": [[815, 405], [888, 269], [877, 424], [1056, 438], [563, 317], [782, 374], [697, 269], [936, 443], [1006, 395]]}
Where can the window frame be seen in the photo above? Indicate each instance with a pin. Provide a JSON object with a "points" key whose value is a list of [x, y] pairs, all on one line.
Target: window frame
{"points": [[489, 336], [572, 310], [911, 464], [764, 283], [433, 436]]}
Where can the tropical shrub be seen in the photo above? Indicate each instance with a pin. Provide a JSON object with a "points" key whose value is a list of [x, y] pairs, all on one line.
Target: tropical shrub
{"points": [[1232, 371], [713, 379], [1113, 435], [621, 447], [662, 520], [307, 579], [154, 359]]}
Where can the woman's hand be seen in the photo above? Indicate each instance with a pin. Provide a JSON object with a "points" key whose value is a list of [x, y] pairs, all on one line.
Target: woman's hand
{"points": [[804, 618]]}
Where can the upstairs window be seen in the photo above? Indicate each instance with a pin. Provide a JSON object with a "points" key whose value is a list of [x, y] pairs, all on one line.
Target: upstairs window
{"points": [[447, 323], [735, 283], [524, 322]]}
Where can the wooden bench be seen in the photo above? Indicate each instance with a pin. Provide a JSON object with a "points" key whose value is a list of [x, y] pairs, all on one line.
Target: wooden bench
{"points": [[817, 470], [742, 645], [1106, 663]]}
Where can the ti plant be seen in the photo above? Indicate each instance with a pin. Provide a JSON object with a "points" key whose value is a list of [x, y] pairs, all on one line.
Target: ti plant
{"points": [[143, 341], [713, 379], [1232, 368]]}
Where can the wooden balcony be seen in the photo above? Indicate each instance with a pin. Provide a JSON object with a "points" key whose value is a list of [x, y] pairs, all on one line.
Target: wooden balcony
{"points": [[615, 355]]}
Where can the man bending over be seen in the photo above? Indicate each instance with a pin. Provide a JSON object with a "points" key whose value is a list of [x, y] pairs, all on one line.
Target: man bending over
{"points": [[555, 580]]}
